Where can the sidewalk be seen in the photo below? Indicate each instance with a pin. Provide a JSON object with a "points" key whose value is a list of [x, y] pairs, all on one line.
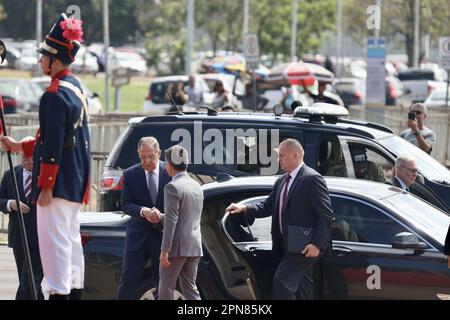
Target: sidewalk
{"points": [[3, 238]]}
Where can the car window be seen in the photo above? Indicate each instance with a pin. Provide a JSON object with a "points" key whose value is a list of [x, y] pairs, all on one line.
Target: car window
{"points": [[330, 159], [427, 165], [376, 166], [158, 91], [356, 221], [416, 75], [241, 228], [246, 156]]}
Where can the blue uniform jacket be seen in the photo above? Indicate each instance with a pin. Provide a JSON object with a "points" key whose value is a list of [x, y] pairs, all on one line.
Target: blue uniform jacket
{"points": [[65, 169]]}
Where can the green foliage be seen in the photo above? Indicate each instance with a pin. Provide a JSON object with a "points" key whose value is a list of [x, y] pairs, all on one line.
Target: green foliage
{"points": [[397, 18]]}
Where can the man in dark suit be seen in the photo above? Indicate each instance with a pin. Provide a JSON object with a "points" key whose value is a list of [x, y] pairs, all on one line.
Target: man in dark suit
{"points": [[299, 199], [142, 191], [405, 172], [8, 206]]}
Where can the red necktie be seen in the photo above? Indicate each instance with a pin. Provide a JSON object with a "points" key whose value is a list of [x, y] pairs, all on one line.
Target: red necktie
{"points": [[285, 193]]}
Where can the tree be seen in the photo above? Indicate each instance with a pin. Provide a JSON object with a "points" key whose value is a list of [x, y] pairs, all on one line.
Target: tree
{"points": [[397, 18], [271, 20]]}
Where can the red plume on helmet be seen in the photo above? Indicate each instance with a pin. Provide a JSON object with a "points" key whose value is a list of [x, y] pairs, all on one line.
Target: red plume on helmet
{"points": [[72, 29]]}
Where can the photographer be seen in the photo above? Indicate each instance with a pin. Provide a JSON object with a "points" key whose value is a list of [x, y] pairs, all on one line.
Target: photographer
{"points": [[418, 134]]}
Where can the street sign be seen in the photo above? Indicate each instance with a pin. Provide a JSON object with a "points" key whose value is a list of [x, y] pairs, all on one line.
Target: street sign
{"points": [[375, 80], [444, 52], [251, 49], [120, 77]]}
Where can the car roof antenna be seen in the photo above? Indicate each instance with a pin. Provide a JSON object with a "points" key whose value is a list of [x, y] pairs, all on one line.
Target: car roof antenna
{"points": [[173, 102]]}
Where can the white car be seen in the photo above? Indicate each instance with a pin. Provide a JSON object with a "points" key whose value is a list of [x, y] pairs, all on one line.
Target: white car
{"points": [[94, 104], [85, 62], [436, 100], [128, 59], [157, 101]]}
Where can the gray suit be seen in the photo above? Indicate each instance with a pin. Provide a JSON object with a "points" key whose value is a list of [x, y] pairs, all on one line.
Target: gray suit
{"points": [[183, 204]]}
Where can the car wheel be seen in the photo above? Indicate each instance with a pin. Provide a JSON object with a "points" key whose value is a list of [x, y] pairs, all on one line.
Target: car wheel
{"points": [[152, 295]]}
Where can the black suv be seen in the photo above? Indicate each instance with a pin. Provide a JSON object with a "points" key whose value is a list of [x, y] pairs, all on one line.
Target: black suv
{"points": [[330, 143]]}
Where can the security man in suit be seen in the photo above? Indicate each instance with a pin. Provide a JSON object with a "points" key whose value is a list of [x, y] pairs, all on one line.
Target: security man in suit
{"points": [[299, 199], [142, 191], [61, 162], [8, 206]]}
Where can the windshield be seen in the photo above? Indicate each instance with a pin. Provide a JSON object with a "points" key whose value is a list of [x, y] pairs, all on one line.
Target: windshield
{"points": [[427, 165], [423, 216]]}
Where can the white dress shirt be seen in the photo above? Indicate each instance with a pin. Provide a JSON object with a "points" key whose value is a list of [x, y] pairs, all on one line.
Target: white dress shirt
{"points": [[25, 173], [293, 174], [155, 179]]}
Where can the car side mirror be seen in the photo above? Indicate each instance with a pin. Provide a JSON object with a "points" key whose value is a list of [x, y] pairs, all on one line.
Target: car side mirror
{"points": [[407, 240]]}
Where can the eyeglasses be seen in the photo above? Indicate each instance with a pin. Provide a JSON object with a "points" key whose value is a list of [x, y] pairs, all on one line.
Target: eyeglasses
{"points": [[412, 171]]}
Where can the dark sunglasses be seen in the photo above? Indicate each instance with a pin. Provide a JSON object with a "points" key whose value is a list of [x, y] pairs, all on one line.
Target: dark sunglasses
{"points": [[417, 112]]}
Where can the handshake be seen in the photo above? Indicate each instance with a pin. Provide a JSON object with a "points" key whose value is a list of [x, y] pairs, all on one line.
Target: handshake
{"points": [[152, 215]]}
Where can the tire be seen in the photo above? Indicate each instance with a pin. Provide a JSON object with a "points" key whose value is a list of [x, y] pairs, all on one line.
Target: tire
{"points": [[151, 294]]}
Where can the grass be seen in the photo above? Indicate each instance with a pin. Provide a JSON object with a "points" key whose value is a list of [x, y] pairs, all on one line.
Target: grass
{"points": [[132, 95]]}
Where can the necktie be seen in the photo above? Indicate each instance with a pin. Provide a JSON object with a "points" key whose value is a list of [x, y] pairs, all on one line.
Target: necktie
{"points": [[284, 197], [152, 187], [27, 189]]}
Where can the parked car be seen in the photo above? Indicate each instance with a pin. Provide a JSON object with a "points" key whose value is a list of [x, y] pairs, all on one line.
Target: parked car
{"points": [[397, 94], [20, 95], [94, 103], [28, 59], [157, 101], [419, 81], [377, 227], [124, 58], [85, 62], [351, 90], [436, 100], [327, 137]]}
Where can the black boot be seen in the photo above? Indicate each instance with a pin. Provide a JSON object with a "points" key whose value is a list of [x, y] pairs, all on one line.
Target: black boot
{"points": [[58, 297], [76, 294]]}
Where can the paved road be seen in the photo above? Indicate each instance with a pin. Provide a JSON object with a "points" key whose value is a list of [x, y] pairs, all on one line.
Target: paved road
{"points": [[8, 274]]}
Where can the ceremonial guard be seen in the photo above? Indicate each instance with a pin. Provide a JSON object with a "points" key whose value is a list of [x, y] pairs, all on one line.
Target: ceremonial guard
{"points": [[61, 163]]}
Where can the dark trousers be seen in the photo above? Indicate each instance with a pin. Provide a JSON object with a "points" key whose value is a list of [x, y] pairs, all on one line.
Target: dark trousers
{"points": [[293, 276], [134, 265], [23, 292]]}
